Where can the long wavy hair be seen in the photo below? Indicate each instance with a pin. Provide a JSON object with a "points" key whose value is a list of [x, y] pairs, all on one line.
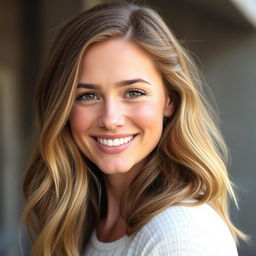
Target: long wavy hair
{"points": [[65, 193]]}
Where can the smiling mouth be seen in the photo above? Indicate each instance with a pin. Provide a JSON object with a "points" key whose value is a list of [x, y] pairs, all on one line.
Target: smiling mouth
{"points": [[115, 142]]}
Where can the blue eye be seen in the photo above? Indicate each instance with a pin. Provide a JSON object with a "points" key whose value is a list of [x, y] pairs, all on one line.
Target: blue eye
{"points": [[134, 94], [88, 96]]}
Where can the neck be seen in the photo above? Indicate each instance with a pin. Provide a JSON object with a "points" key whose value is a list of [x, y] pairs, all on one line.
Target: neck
{"points": [[114, 225], [117, 184]]}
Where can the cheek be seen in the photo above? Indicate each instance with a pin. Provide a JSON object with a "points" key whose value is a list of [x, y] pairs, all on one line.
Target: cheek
{"points": [[80, 120], [148, 115]]}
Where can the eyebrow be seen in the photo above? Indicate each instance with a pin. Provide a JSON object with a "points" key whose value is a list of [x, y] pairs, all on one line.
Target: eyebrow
{"points": [[118, 84]]}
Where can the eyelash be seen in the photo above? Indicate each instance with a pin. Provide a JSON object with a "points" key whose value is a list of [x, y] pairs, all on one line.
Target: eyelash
{"points": [[138, 93], [80, 96]]}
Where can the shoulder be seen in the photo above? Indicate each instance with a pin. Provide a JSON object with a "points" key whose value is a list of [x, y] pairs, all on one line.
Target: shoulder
{"points": [[187, 230]]}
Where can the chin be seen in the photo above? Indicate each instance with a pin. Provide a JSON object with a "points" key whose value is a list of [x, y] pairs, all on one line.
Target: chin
{"points": [[115, 170], [115, 165]]}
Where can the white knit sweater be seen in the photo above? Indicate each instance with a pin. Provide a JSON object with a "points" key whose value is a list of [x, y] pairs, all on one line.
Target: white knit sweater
{"points": [[176, 231]]}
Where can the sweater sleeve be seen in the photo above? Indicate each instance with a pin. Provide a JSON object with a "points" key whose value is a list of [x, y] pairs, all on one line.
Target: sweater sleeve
{"points": [[185, 231]]}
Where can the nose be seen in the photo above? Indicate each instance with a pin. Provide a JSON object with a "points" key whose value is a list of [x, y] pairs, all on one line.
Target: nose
{"points": [[111, 115]]}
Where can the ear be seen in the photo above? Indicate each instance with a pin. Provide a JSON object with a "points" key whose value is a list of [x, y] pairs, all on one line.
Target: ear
{"points": [[168, 111]]}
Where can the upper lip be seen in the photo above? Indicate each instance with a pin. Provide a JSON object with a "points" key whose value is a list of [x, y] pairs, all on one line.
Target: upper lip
{"points": [[114, 136]]}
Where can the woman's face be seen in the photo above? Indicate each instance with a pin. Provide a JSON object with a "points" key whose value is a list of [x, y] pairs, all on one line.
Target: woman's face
{"points": [[117, 118]]}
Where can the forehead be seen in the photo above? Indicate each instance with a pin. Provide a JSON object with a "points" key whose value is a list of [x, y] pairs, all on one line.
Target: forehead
{"points": [[119, 59]]}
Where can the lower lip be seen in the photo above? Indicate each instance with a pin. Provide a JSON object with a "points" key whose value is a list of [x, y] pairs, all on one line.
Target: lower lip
{"points": [[115, 149]]}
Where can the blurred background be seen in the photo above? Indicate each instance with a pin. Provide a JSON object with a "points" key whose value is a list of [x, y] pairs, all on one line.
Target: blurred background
{"points": [[220, 34]]}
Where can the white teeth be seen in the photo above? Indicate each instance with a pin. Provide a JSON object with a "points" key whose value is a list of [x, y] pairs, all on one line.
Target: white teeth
{"points": [[110, 142], [115, 142]]}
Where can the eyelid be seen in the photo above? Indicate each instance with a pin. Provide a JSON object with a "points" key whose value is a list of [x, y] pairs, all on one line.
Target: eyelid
{"points": [[143, 93], [79, 96], [135, 89]]}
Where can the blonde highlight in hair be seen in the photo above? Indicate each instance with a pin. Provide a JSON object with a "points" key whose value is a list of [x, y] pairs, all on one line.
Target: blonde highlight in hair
{"points": [[65, 192]]}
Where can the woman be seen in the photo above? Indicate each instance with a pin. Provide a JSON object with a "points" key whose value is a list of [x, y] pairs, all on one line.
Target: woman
{"points": [[127, 159]]}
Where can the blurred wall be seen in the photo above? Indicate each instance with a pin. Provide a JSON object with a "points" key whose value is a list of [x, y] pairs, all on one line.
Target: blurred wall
{"points": [[26, 31], [11, 139], [224, 49]]}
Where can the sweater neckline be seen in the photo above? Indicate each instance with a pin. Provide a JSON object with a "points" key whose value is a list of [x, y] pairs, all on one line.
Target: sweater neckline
{"points": [[121, 242], [108, 245]]}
